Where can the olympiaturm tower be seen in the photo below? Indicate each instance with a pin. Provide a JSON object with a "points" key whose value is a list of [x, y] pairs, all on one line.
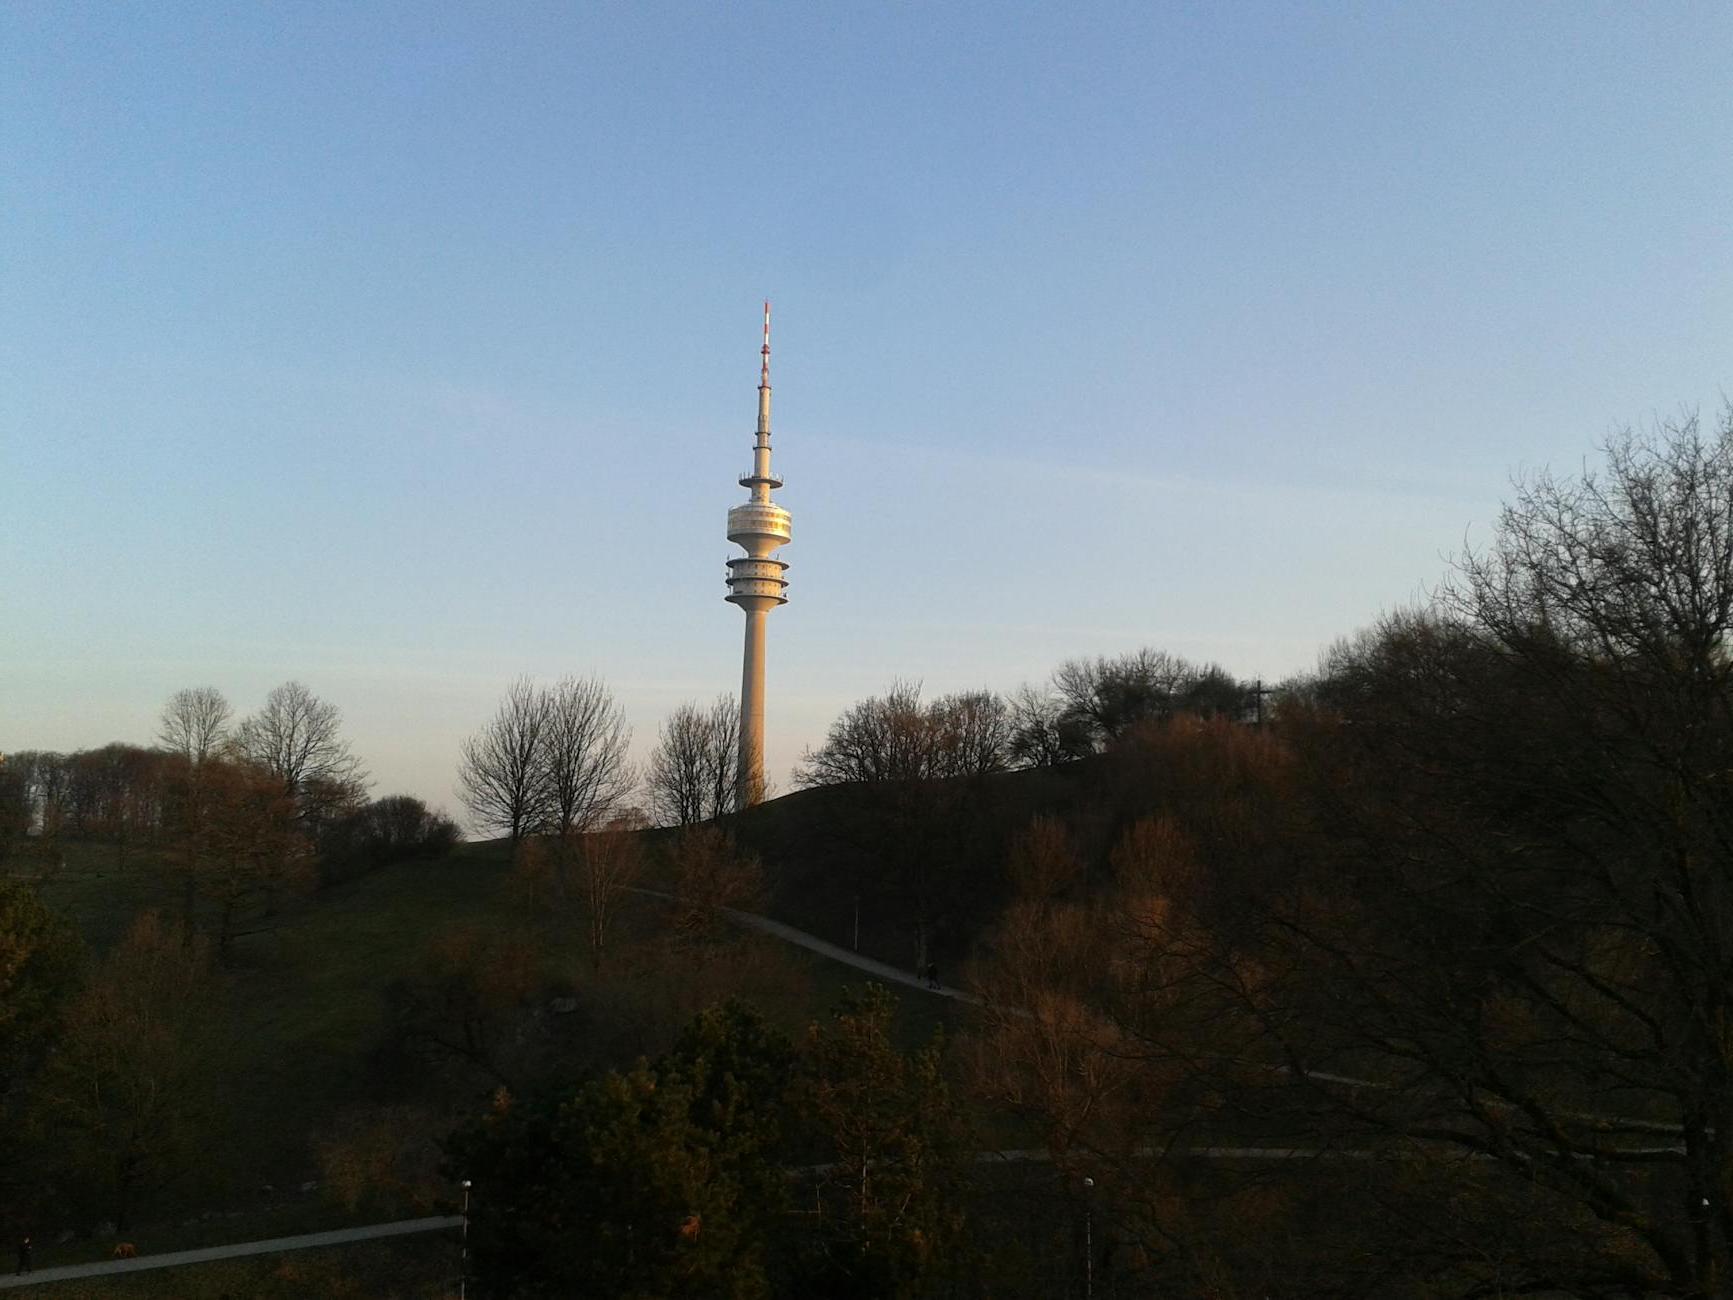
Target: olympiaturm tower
{"points": [[756, 584]]}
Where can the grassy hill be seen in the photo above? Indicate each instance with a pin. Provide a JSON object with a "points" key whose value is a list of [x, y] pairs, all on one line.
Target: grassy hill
{"points": [[307, 1011], [828, 846]]}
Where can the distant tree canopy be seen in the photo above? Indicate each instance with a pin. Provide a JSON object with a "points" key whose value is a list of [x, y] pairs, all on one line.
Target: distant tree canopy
{"points": [[897, 738], [113, 793], [120, 792], [397, 828], [238, 818], [1090, 704], [1102, 698]]}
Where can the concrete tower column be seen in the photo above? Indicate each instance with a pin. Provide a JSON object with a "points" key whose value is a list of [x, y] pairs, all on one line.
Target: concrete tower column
{"points": [[755, 583], [749, 780]]}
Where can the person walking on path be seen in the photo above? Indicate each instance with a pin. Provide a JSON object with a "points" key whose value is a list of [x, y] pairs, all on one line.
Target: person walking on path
{"points": [[932, 974], [24, 1253]]}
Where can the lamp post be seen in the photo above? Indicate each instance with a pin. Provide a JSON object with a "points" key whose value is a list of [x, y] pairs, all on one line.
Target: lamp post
{"points": [[463, 1249], [1088, 1238]]}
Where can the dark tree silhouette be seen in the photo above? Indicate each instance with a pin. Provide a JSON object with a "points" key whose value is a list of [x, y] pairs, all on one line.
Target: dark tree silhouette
{"points": [[692, 769], [500, 773], [194, 723], [297, 737]]}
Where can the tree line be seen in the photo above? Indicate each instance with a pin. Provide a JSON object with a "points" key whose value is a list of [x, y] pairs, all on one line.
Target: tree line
{"points": [[244, 806], [1084, 708], [553, 759], [1454, 929], [1442, 949], [106, 1078]]}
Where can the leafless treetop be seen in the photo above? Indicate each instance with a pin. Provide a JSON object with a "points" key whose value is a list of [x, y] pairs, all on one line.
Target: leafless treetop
{"points": [[194, 723]]}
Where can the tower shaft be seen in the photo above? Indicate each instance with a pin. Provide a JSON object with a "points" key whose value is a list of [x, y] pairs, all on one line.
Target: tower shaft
{"points": [[749, 777], [755, 583]]}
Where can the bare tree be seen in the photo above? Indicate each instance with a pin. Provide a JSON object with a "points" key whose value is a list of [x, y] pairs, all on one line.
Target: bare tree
{"points": [[296, 738], [608, 862], [583, 756], [692, 769], [501, 775], [1104, 697], [971, 734], [897, 738], [878, 739], [47, 779], [14, 806], [1037, 736], [194, 723]]}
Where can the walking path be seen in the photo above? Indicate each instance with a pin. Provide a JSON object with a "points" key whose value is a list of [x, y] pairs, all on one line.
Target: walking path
{"points": [[824, 948], [788, 934], [177, 1258], [885, 971]]}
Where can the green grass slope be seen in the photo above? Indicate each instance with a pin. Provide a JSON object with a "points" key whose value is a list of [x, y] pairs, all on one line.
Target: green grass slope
{"points": [[305, 1006]]}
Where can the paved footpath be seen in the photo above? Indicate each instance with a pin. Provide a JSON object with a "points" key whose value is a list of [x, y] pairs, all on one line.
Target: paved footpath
{"points": [[823, 947], [177, 1258], [752, 921]]}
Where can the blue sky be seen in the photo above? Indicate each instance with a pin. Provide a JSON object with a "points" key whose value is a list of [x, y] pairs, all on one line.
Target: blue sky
{"points": [[405, 348]]}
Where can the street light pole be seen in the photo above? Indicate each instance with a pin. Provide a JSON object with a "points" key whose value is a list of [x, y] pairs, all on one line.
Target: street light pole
{"points": [[463, 1250], [1088, 1238]]}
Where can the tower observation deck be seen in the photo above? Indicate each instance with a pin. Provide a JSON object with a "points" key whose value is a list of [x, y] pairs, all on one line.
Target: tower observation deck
{"points": [[755, 583]]}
